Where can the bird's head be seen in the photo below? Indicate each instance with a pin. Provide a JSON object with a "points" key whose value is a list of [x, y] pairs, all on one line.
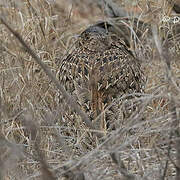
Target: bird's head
{"points": [[95, 38]]}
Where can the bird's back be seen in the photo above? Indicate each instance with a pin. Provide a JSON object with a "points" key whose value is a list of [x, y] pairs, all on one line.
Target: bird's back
{"points": [[100, 69]]}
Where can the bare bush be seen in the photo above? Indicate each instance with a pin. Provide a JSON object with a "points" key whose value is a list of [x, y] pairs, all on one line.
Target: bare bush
{"points": [[39, 140]]}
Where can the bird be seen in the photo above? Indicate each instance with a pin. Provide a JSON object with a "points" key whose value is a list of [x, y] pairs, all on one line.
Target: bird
{"points": [[99, 70]]}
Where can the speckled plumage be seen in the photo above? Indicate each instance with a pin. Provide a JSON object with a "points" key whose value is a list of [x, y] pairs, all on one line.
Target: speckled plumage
{"points": [[100, 69]]}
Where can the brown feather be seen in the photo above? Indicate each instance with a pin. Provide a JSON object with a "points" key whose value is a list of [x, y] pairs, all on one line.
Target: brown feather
{"points": [[102, 67]]}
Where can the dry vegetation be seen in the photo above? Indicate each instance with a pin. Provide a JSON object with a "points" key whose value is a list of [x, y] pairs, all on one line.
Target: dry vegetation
{"points": [[37, 142]]}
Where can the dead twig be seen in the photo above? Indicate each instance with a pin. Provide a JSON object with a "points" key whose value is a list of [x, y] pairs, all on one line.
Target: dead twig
{"points": [[165, 57], [71, 102], [117, 160]]}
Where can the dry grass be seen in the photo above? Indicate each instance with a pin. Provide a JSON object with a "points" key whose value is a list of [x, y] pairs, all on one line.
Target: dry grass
{"points": [[37, 142]]}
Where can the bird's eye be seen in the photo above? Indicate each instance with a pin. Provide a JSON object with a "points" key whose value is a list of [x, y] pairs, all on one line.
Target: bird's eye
{"points": [[87, 37]]}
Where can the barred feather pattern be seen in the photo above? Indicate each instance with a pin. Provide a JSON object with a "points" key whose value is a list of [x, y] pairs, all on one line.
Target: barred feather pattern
{"points": [[100, 69]]}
